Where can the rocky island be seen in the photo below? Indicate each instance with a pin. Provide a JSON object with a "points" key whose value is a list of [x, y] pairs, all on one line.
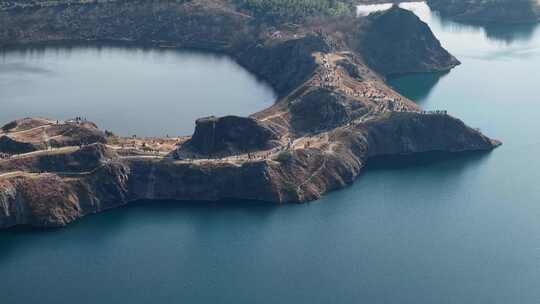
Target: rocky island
{"points": [[334, 111]]}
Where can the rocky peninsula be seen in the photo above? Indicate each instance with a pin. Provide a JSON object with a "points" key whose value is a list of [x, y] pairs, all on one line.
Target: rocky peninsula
{"points": [[333, 114]]}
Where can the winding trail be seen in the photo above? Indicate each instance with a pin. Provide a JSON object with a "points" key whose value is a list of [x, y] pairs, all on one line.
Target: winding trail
{"points": [[329, 150]]}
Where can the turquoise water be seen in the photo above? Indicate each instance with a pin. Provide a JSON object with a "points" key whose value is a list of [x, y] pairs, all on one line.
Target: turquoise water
{"points": [[147, 92], [422, 230]]}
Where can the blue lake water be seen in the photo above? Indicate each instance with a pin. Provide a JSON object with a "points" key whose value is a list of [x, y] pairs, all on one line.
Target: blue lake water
{"points": [[147, 92], [422, 230]]}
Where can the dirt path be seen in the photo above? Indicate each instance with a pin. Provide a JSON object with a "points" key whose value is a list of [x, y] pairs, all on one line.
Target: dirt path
{"points": [[26, 131], [328, 150]]}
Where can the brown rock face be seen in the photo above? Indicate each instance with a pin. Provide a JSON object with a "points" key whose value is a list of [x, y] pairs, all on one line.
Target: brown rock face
{"points": [[285, 65], [230, 135], [396, 41], [407, 133], [54, 200], [200, 182]]}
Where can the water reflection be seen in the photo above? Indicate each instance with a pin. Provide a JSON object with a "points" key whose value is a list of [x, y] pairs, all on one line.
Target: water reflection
{"points": [[21, 67], [416, 86], [459, 161], [499, 33], [511, 33]]}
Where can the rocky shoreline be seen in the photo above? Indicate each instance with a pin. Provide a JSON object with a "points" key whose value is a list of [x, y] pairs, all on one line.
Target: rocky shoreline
{"points": [[334, 113]]}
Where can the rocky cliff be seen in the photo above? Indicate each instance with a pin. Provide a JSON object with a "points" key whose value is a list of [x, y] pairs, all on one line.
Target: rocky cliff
{"points": [[407, 133], [396, 41], [335, 112], [228, 135]]}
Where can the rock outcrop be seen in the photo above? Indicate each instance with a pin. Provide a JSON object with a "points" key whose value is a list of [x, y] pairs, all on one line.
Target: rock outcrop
{"points": [[396, 41], [408, 133], [10, 146], [334, 113], [230, 135], [285, 64], [33, 134], [323, 109]]}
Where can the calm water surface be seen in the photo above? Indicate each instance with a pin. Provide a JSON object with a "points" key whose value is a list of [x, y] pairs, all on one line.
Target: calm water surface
{"points": [[431, 230], [149, 92]]}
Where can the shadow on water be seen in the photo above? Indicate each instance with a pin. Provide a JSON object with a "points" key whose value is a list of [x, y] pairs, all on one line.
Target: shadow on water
{"points": [[416, 87], [253, 208], [103, 228], [399, 162], [21, 239]]}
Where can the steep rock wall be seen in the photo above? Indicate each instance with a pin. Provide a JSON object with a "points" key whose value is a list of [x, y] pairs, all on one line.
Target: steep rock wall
{"points": [[396, 41]]}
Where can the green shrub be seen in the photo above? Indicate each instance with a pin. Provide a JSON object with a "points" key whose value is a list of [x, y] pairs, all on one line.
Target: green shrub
{"points": [[283, 156], [295, 10]]}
